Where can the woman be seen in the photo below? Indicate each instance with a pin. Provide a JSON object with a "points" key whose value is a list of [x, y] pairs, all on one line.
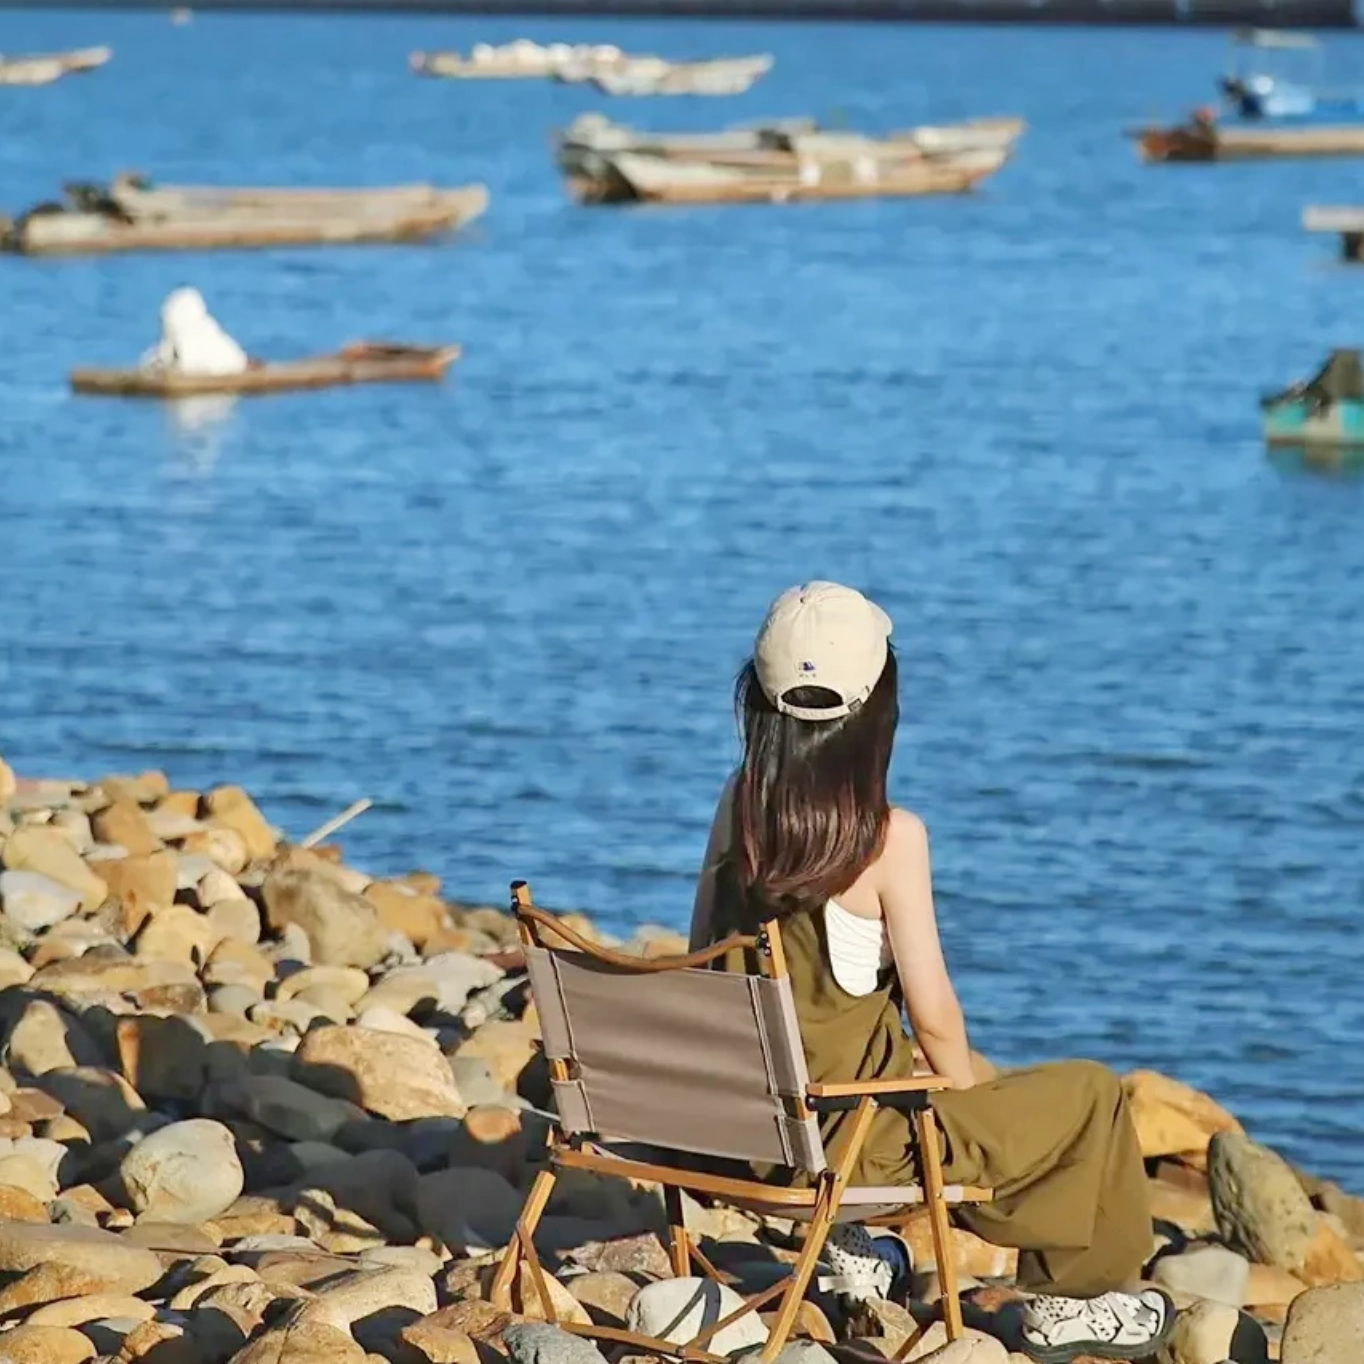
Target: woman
{"points": [[805, 834], [192, 342]]}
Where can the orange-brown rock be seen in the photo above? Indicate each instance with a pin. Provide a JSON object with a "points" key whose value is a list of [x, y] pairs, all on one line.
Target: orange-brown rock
{"points": [[18, 1205], [1190, 1210], [124, 824], [1329, 1259], [145, 788], [1270, 1286], [481, 1321], [222, 844], [423, 882], [1172, 1117], [175, 931], [506, 1046], [150, 880], [183, 804], [231, 807], [439, 1344], [403, 910], [50, 1282], [46, 1345], [973, 1256], [159, 1342]]}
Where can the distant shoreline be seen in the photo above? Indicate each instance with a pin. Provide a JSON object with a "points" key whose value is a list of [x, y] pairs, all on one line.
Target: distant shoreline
{"points": [[1320, 14]]}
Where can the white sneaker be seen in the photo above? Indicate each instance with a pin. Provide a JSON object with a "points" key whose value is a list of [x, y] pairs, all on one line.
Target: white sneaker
{"points": [[1112, 1326], [864, 1266]]}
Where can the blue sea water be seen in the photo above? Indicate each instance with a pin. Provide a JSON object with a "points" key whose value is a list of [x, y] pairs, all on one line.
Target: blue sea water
{"points": [[509, 609]]}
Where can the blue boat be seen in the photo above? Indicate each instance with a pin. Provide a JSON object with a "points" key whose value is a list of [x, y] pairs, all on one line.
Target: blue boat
{"points": [[1280, 78], [1325, 412]]}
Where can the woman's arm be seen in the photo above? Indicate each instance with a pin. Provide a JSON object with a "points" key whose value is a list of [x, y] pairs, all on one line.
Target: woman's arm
{"points": [[906, 891], [703, 909]]}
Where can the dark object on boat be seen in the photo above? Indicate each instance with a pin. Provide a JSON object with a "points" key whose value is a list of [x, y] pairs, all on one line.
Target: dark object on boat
{"points": [[365, 362]]}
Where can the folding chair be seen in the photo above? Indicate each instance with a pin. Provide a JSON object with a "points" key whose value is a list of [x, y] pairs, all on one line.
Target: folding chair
{"points": [[663, 1052]]}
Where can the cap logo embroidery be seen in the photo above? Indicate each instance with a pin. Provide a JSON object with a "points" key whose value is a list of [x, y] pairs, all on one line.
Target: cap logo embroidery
{"points": [[807, 667]]}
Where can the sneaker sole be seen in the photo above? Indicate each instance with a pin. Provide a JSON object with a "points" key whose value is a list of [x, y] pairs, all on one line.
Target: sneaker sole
{"points": [[1063, 1354]]}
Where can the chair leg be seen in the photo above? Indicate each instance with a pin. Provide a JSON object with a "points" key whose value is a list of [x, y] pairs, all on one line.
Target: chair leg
{"points": [[930, 1158], [820, 1222], [499, 1294], [679, 1249]]}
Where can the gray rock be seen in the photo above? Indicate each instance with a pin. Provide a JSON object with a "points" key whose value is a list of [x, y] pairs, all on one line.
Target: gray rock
{"points": [[343, 928], [233, 999], [470, 1208], [801, 1352], [533, 1342], [1213, 1272], [474, 1081], [1325, 1326], [186, 1172], [455, 975], [1259, 1204], [415, 1258], [47, 1154], [675, 1310], [34, 901], [288, 1108]]}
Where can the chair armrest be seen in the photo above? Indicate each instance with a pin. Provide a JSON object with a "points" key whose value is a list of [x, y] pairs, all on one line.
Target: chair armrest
{"points": [[876, 1088]]}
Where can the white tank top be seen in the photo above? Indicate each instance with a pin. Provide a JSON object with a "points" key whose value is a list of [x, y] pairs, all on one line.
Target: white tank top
{"points": [[858, 950]]}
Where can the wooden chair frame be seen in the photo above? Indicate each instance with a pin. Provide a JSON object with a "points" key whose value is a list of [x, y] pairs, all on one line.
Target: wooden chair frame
{"points": [[863, 1098]]}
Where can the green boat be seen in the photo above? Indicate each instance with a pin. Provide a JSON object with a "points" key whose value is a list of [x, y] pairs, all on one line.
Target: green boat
{"points": [[1327, 411]]}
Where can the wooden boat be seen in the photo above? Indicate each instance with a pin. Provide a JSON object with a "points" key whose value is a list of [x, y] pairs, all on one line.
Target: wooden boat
{"points": [[46, 69], [589, 142], [522, 60], [1327, 411], [628, 177], [125, 218], [1203, 139], [654, 76], [363, 363]]}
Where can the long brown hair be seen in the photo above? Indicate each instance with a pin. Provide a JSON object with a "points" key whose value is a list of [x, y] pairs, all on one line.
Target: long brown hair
{"points": [[810, 806]]}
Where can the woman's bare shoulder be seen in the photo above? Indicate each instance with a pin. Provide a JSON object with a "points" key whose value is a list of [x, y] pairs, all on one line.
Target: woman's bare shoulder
{"points": [[906, 831]]}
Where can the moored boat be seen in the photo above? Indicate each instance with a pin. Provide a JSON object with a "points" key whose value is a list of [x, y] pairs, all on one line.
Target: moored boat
{"points": [[43, 70], [364, 362], [654, 76], [522, 60], [129, 215], [1202, 138], [1326, 411], [629, 177], [587, 144], [1347, 223]]}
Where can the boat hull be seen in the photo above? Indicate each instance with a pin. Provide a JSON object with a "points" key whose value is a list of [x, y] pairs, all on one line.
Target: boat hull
{"points": [[175, 221], [46, 69], [630, 179], [360, 364], [1197, 142], [1300, 422]]}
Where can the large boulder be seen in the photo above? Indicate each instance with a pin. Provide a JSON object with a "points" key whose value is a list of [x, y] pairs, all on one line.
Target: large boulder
{"points": [[1172, 1117], [1325, 1326], [34, 902], [676, 1310], [186, 1172], [343, 928], [35, 847], [395, 1076], [1259, 1204], [86, 1250], [291, 1110], [1213, 1272]]}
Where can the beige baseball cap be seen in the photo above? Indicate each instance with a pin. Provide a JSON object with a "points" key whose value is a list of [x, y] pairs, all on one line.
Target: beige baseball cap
{"points": [[821, 635]]}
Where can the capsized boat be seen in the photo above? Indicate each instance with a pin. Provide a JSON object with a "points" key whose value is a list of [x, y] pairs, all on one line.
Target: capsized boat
{"points": [[132, 214], [631, 177], [365, 362], [46, 69], [1324, 411], [655, 76]]}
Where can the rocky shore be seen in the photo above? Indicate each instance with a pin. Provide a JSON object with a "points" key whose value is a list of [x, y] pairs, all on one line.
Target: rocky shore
{"points": [[258, 1107]]}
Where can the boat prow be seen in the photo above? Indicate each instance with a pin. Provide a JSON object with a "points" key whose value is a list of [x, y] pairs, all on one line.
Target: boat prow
{"points": [[365, 362], [1325, 412]]}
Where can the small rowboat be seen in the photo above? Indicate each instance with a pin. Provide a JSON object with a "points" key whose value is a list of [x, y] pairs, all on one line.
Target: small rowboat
{"points": [[365, 362], [1203, 139], [46, 69]]}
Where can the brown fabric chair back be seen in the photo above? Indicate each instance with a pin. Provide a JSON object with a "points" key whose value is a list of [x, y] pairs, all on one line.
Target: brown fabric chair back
{"points": [[706, 1062]]}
